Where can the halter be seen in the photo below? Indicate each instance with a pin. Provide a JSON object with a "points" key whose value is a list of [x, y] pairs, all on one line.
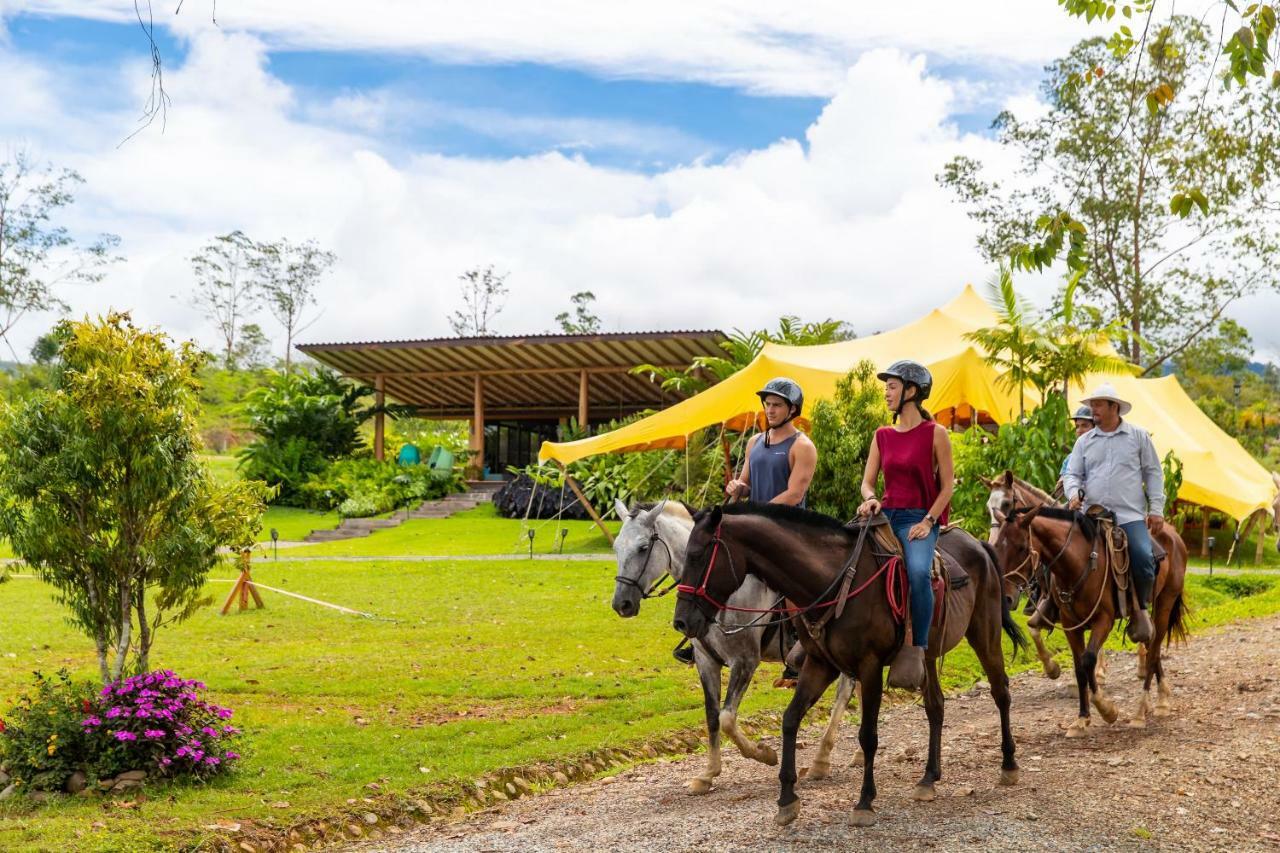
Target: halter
{"points": [[652, 591]]}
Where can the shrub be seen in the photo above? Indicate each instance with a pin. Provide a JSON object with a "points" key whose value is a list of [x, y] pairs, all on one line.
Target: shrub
{"points": [[158, 722], [364, 487], [843, 429], [41, 740], [155, 722]]}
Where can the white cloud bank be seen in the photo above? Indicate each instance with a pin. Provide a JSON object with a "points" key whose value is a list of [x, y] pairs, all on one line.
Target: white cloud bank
{"points": [[848, 224]]}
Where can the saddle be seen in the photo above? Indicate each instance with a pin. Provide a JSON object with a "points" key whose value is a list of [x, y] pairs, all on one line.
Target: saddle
{"points": [[946, 573], [1112, 537]]}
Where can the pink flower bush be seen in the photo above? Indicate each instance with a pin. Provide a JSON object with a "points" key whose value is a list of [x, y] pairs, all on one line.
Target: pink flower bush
{"points": [[160, 723]]}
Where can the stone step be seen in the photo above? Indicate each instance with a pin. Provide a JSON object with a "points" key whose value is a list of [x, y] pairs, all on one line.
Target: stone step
{"points": [[336, 535], [368, 523]]}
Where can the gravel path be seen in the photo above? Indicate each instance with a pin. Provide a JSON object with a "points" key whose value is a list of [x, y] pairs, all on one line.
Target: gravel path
{"points": [[1202, 779]]}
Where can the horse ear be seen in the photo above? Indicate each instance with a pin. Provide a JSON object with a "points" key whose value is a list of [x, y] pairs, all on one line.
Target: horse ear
{"points": [[1025, 518], [988, 482], [716, 514], [623, 513], [1008, 479]]}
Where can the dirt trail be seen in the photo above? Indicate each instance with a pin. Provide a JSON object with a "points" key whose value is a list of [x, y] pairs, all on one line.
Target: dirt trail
{"points": [[1202, 779]]}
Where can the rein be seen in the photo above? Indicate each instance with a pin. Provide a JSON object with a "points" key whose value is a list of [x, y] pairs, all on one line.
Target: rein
{"points": [[892, 566]]}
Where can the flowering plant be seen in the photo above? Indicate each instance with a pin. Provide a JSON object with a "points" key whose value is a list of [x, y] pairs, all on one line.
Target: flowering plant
{"points": [[158, 722], [40, 737]]}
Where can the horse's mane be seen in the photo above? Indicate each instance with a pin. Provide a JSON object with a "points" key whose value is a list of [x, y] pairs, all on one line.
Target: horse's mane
{"points": [[645, 506], [1038, 493], [1088, 525], [789, 515]]}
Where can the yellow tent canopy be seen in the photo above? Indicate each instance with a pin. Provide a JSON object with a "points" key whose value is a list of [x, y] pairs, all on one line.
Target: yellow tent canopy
{"points": [[1217, 472]]}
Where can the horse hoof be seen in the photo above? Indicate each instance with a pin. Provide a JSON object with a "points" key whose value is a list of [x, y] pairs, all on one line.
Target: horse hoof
{"points": [[1162, 711], [1078, 729], [863, 817], [924, 794], [699, 785], [786, 814], [1138, 723], [1052, 670], [1108, 711], [1009, 777], [819, 770], [766, 756]]}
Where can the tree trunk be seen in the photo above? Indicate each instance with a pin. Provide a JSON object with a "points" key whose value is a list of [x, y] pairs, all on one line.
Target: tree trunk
{"points": [[1135, 318], [126, 630], [288, 349], [144, 630]]}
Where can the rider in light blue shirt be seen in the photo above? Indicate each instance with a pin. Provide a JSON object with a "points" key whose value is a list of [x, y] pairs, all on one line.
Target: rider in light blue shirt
{"points": [[1115, 464]]}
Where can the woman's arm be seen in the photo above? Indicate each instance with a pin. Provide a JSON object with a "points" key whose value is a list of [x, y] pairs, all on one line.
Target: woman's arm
{"points": [[870, 506], [946, 471]]}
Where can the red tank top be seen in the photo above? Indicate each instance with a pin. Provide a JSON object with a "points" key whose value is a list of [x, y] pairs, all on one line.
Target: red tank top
{"points": [[906, 458]]}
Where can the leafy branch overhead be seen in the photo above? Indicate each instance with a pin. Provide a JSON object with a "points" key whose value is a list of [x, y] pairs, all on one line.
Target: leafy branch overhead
{"points": [[1166, 217]]}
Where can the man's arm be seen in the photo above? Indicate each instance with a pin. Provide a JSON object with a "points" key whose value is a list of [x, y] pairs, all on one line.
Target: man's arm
{"points": [[804, 459], [1073, 478], [1152, 476]]}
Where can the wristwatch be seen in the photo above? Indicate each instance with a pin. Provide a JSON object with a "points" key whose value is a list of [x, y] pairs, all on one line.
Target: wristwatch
{"points": [[933, 522]]}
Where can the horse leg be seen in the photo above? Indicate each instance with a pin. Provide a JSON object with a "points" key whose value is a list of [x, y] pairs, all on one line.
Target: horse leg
{"points": [[933, 710], [1050, 666], [870, 677], [986, 644], [815, 677], [709, 675], [821, 767], [1100, 668], [1142, 662], [1097, 636], [740, 673], [1075, 640]]}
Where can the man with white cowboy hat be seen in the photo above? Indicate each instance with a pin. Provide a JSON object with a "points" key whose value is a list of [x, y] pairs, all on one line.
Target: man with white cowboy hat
{"points": [[1115, 465]]}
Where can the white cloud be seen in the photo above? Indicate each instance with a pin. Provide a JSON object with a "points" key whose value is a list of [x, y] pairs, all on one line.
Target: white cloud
{"points": [[758, 45], [849, 224]]}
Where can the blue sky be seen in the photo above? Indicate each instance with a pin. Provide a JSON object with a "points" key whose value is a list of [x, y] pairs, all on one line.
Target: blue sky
{"points": [[708, 165]]}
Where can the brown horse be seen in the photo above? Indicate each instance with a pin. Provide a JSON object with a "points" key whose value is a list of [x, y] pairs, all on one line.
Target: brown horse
{"points": [[1059, 542], [851, 597]]}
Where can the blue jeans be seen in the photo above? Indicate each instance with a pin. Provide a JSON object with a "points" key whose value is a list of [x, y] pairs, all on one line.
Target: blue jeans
{"points": [[919, 560], [1142, 563]]}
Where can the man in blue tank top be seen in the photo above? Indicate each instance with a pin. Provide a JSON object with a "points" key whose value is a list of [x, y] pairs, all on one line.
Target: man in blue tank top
{"points": [[778, 468]]}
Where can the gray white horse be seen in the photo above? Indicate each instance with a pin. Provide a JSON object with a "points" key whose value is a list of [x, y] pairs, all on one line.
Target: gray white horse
{"points": [[649, 548]]}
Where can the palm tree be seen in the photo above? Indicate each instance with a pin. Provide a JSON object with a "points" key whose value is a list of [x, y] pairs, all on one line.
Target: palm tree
{"points": [[1015, 346]]}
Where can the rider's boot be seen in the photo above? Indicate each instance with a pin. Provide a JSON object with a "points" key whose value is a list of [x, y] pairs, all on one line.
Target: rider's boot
{"points": [[1045, 616], [791, 667], [1140, 627], [907, 670], [683, 652]]}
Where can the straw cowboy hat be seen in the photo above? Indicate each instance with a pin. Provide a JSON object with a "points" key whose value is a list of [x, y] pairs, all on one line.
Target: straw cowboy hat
{"points": [[1107, 391]]}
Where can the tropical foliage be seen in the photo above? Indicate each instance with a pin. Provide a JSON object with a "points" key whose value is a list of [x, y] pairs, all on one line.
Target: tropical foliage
{"points": [[843, 429]]}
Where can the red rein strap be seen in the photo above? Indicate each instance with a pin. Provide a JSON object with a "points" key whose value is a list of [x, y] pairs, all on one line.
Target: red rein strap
{"points": [[895, 589]]}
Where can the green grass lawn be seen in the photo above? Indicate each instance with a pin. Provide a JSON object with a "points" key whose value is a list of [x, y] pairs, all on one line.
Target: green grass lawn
{"points": [[477, 531], [470, 667]]}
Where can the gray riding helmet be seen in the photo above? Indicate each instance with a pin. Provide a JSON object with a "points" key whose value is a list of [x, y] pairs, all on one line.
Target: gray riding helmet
{"points": [[1084, 413], [910, 373], [787, 389]]}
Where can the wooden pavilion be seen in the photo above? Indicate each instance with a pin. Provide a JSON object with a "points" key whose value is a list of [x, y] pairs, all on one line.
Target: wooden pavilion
{"points": [[517, 390]]}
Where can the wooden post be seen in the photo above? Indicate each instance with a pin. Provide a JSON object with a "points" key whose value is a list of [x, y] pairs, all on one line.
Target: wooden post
{"points": [[477, 428], [1261, 528], [243, 587], [1204, 531], [379, 399], [591, 511], [583, 410]]}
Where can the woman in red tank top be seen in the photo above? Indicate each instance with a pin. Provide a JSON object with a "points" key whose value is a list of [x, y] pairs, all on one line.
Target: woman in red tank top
{"points": [[915, 456]]}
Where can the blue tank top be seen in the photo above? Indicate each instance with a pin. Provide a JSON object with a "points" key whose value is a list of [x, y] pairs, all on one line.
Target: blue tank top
{"points": [[770, 469]]}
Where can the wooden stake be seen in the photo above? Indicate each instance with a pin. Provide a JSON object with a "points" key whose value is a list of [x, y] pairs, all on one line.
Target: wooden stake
{"points": [[1204, 531], [591, 511], [243, 588]]}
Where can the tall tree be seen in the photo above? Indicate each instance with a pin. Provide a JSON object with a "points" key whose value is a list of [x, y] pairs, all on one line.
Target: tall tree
{"points": [[1166, 211], [583, 320], [287, 276], [226, 289], [484, 295], [37, 256], [253, 350]]}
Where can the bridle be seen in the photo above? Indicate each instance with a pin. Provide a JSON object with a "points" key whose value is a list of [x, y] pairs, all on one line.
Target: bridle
{"points": [[652, 591], [1031, 565]]}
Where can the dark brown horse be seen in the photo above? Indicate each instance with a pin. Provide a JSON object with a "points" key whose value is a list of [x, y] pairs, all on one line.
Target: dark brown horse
{"points": [[805, 556], [1058, 543]]}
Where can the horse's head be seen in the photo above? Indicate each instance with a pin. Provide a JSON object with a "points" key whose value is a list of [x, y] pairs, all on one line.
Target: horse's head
{"points": [[999, 501], [710, 575], [1013, 549], [646, 549]]}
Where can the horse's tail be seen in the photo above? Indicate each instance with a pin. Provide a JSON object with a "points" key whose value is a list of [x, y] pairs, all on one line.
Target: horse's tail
{"points": [[1177, 621], [1010, 627]]}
